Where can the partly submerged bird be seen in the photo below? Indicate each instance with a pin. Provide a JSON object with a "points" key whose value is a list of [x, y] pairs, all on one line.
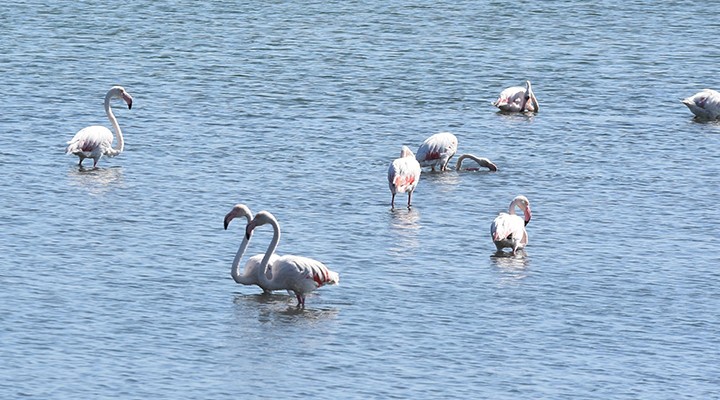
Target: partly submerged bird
{"points": [[704, 104], [517, 99], [508, 229]]}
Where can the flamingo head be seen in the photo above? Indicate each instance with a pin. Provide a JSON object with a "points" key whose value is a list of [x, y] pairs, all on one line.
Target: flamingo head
{"points": [[239, 210], [524, 204], [119, 92], [406, 152], [261, 218]]}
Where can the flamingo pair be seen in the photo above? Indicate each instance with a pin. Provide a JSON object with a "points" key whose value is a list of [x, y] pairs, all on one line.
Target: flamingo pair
{"points": [[435, 151], [300, 275]]}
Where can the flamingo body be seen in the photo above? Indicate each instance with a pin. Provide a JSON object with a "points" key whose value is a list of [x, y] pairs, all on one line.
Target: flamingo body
{"points": [[704, 104], [508, 229], [96, 141], [517, 99], [437, 150], [300, 275], [403, 175]]}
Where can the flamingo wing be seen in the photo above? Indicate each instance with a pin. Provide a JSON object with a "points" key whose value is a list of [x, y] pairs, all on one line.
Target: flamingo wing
{"points": [[438, 148], [506, 226], [403, 175], [90, 141], [510, 99], [705, 104]]}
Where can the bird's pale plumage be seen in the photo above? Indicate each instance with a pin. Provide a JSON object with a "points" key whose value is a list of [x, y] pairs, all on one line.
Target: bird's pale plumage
{"points": [[300, 275], [96, 141], [705, 104], [483, 162], [517, 99], [437, 150], [508, 229], [403, 175]]}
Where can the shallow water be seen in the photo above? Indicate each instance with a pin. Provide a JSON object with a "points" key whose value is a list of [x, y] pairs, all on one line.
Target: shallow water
{"points": [[115, 281]]}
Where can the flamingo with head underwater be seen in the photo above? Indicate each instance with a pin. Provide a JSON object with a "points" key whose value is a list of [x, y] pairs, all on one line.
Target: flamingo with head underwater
{"points": [[249, 275], [437, 150], [96, 141], [517, 99], [704, 104], [508, 229], [300, 275]]}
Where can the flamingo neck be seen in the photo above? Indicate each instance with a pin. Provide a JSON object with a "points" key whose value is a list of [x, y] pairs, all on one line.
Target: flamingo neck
{"points": [[511, 210], [235, 271], [269, 284], [118, 148]]}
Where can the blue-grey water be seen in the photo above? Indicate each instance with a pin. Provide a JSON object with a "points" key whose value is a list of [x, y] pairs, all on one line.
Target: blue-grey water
{"points": [[115, 282]]}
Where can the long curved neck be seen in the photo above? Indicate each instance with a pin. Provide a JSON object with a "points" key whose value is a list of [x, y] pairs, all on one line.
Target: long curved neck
{"points": [[235, 271], [511, 210], [269, 284], [118, 133]]}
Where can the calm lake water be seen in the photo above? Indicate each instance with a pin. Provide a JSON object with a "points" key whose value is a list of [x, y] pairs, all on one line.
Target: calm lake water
{"points": [[115, 282]]}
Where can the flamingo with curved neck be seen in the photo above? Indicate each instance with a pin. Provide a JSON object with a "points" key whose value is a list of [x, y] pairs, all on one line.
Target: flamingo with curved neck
{"points": [[483, 162], [300, 275], [508, 229], [249, 276], [96, 141], [518, 99]]}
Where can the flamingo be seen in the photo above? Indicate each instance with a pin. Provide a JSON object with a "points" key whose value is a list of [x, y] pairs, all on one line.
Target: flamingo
{"points": [[437, 150], [517, 99], [705, 104], [96, 141], [403, 175], [483, 162], [508, 229], [300, 275], [249, 276]]}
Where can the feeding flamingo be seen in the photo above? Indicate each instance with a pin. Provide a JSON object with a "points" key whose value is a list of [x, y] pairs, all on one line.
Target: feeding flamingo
{"points": [[249, 276], [517, 99], [483, 162], [704, 104], [403, 175], [437, 150], [301, 275], [96, 141], [508, 229]]}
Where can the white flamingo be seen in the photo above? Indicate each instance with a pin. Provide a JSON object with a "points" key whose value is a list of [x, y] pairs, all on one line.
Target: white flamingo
{"points": [[437, 150], [517, 99], [508, 229], [96, 141], [704, 104], [483, 162], [300, 275], [403, 175], [249, 275]]}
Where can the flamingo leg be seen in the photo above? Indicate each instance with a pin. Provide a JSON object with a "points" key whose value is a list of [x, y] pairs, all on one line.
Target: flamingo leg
{"points": [[409, 199], [300, 299], [392, 202]]}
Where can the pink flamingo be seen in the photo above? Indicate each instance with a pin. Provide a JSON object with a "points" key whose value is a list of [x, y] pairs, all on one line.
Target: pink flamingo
{"points": [[403, 175], [483, 162], [96, 141], [508, 229], [704, 104], [517, 99], [301, 275], [437, 150]]}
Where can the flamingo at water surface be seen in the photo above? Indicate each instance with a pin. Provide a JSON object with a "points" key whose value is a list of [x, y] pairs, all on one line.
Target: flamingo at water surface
{"points": [[300, 275], [517, 99], [508, 229], [704, 104], [403, 175], [483, 162], [249, 275], [437, 150], [96, 141]]}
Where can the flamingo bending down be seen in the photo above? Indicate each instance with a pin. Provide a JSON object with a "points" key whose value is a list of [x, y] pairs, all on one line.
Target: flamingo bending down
{"points": [[249, 276], [483, 162], [96, 141], [403, 175], [437, 150], [508, 229], [705, 104], [301, 275], [517, 99]]}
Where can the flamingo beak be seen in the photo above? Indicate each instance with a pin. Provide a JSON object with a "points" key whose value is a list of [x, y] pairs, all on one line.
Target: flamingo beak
{"points": [[228, 218], [528, 215], [248, 230], [128, 99]]}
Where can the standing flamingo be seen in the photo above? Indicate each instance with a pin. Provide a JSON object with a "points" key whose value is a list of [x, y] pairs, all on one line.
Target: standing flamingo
{"points": [[403, 175], [704, 104], [517, 99], [249, 276], [437, 150], [483, 162], [508, 229], [301, 275], [96, 141]]}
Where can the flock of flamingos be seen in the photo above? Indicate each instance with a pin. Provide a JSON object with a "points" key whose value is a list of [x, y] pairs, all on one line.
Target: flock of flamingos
{"points": [[302, 275]]}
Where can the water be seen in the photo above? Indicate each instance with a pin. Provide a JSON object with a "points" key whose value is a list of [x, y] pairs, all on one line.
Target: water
{"points": [[116, 282]]}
